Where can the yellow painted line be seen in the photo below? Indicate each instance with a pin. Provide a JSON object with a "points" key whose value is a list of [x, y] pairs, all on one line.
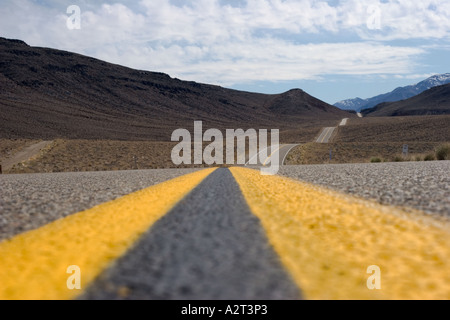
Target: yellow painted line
{"points": [[34, 265], [322, 135], [327, 241], [279, 148], [326, 131]]}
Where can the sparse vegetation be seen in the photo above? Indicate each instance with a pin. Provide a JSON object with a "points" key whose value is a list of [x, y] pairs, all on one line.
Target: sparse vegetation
{"points": [[362, 152], [99, 155], [397, 129], [381, 140], [443, 152], [9, 147]]}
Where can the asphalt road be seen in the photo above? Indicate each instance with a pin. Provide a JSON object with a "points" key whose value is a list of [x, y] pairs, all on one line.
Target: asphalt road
{"points": [[264, 157], [235, 235], [29, 201], [325, 135], [210, 246], [343, 122], [423, 186]]}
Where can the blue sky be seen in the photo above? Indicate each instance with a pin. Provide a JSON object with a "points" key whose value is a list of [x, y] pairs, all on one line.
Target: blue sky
{"points": [[333, 50]]}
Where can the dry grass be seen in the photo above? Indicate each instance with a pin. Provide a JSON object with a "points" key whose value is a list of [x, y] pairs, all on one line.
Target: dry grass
{"points": [[443, 152], [8, 147], [109, 155], [303, 135], [103, 155], [362, 152], [396, 129], [372, 139], [361, 141], [99, 155]]}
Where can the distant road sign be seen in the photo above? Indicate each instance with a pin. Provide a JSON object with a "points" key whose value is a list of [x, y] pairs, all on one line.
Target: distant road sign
{"points": [[405, 149]]}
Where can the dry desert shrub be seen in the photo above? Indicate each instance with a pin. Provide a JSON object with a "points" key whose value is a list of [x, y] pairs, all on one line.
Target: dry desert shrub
{"points": [[443, 152]]}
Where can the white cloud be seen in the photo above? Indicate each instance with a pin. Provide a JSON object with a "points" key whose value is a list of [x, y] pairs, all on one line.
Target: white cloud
{"points": [[206, 40], [420, 76], [268, 59]]}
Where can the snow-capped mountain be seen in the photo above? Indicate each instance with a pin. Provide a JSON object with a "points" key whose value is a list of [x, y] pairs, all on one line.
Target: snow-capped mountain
{"points": [[398, 94], [351, 104]]}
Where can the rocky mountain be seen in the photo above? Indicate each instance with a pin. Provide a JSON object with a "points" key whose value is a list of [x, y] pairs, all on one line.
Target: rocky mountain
{"points": [[434, 101], [398, 94], [47, 93], [351, 104]]}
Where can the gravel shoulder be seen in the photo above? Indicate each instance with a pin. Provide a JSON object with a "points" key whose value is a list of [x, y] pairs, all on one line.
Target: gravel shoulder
{"points": [[422, 186]]}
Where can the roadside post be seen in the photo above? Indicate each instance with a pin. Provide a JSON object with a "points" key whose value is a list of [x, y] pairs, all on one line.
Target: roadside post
{"points": [[405, 150]]}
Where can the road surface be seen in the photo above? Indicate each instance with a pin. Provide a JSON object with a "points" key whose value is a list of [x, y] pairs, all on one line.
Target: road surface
{"points": [[325, 135], [23, 155], [343, 122], [228, 233], [265, 157]]}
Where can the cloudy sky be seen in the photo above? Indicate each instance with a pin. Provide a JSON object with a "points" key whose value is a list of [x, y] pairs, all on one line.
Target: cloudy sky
{"points": [[333, 49]]}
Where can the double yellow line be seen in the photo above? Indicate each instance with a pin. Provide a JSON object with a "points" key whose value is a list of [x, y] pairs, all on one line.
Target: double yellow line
{"points": [[325, 133], [328, 241], [325, 240], [271, 155]]}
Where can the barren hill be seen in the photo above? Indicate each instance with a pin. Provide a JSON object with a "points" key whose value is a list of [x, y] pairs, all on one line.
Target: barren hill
{"points": [[400, 93], [435, 101], [47, 93]]}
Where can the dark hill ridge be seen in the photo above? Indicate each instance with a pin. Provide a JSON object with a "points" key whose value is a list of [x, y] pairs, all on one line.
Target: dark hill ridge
{"points": [[288, 103], [401, 93], [48, 93], [435, 101]]}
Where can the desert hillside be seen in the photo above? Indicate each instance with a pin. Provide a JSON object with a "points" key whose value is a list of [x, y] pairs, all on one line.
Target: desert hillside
{"points": [[49, 94], [435, 101]]}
